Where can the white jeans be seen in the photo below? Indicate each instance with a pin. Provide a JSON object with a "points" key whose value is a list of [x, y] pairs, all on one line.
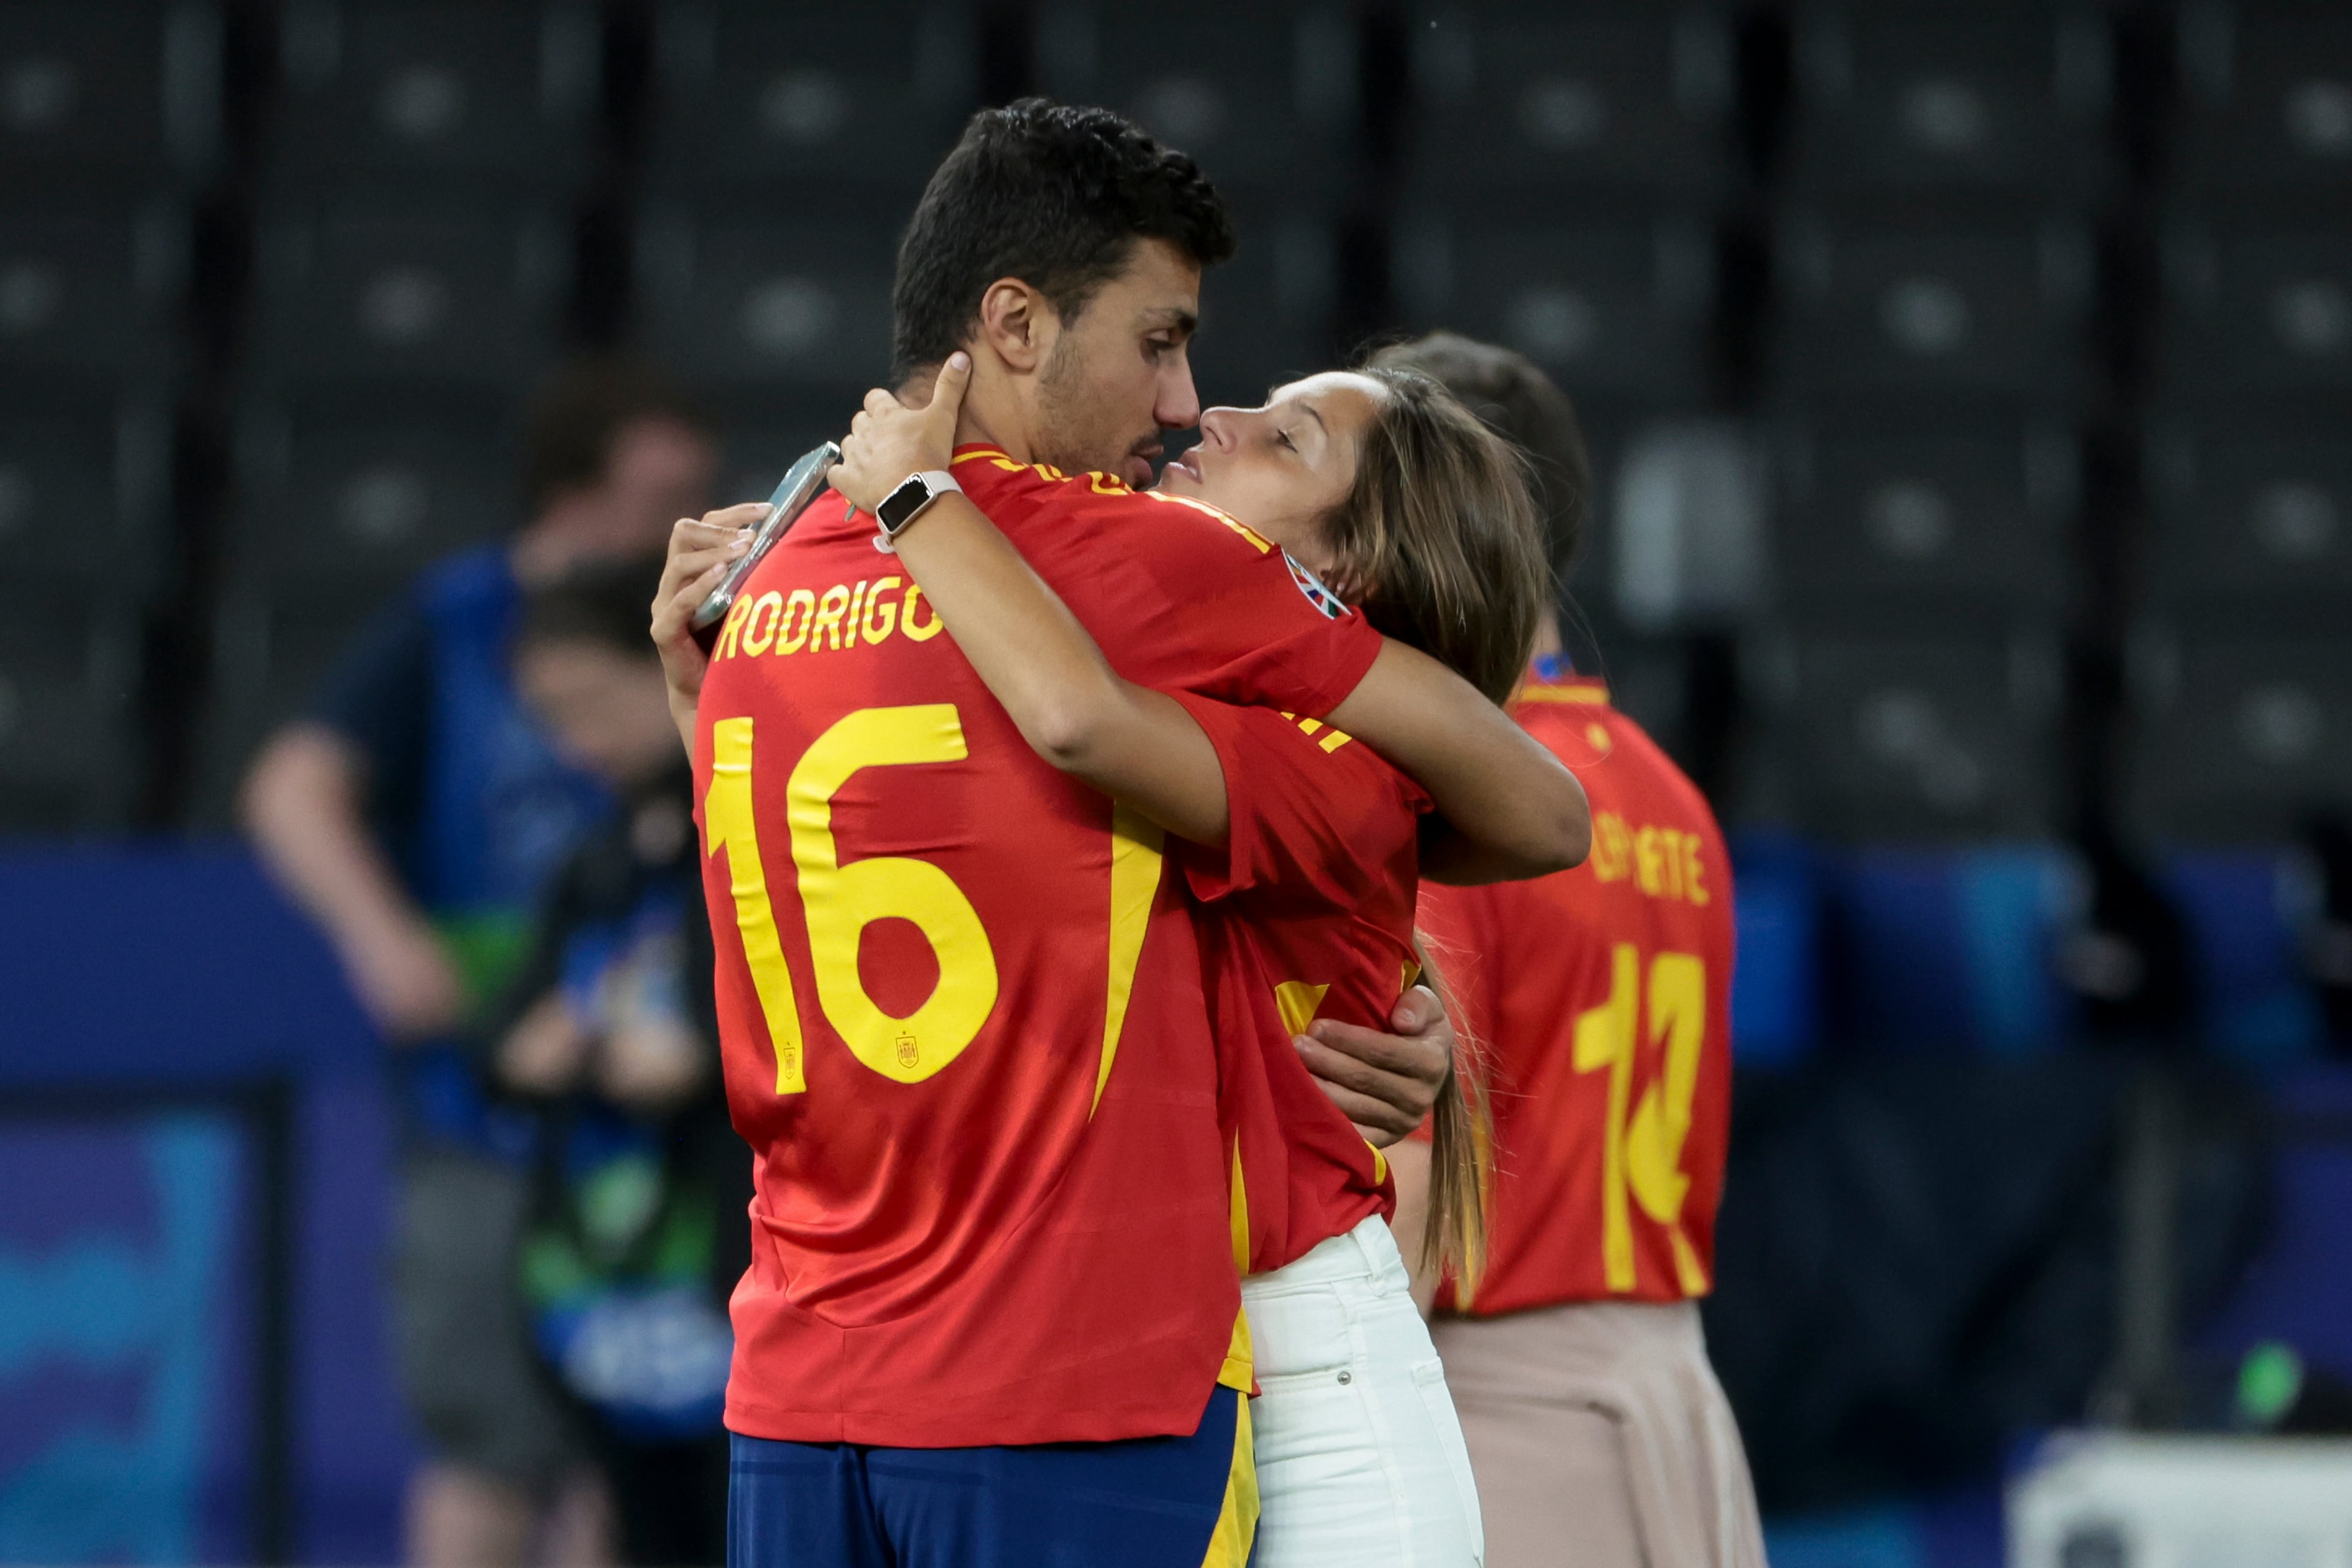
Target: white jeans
{"points": [[1359, 1457]]}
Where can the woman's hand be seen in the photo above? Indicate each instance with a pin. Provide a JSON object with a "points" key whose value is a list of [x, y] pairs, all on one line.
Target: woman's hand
{"points": [[700, 552], [888, 440]]}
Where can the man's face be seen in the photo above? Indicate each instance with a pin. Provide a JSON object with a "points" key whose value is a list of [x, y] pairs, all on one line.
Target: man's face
{"points": [[659, 471], [1118, 374]]}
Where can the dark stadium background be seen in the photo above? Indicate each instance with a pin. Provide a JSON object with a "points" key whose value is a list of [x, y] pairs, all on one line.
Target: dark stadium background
{"points": [[1967, 385]]}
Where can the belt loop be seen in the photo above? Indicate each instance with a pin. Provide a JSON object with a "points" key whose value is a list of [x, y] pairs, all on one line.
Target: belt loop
{"points": [[1364, 1253]]}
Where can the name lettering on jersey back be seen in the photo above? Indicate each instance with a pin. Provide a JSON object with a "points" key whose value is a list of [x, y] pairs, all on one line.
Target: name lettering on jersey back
{"points": [[1664, 863], [846, 615]]}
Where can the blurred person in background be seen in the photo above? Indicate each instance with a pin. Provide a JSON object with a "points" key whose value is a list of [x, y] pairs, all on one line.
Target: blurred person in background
{"points": [[415, 808], [635, 1234], [1597, 1430]]}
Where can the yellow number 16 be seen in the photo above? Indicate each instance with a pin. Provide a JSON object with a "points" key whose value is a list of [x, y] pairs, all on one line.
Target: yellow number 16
{"points": [[1642, 1146], [839, 901]]}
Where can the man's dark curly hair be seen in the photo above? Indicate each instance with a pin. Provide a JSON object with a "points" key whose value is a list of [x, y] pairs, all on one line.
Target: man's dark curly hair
{"points": [[1051, 193]]}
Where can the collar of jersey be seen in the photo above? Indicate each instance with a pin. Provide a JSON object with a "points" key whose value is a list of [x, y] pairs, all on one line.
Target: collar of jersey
{"points": [[966, 454], [1550, 679]]}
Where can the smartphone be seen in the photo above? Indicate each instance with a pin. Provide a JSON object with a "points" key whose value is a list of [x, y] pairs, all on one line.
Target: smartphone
{"points": [[801, 483]]}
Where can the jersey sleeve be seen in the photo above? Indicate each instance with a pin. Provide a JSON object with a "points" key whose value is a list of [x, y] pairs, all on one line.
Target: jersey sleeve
{"points": [[1228, 615], [1313, 811]]}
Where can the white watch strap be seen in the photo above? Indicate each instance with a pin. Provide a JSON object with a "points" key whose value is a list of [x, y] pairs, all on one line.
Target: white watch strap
{"points": [[938, 482]]}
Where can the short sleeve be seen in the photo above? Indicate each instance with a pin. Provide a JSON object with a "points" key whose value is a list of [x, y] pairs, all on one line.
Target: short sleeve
{"points": [[378, 696], [1232, 617], [1314, 813]]}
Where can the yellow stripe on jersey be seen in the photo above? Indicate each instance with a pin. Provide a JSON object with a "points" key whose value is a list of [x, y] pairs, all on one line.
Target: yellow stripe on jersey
{"points": [[1236, 1531], [1240, 1370], [1298, 1002], [1597, 695], [1135, 866], [1251, 534]]}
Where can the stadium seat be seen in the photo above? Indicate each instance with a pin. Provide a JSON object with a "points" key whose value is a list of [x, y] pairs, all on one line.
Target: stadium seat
{"points": [[1984, 307], [1612, 309], [2257, 309], [90, 286], [1895, 99], [1528, 96], [432, 88], [84, 477], [866, 94], [2267, 99], [791, 305], [69, 673], [130, 88], [347, 494], [1907, 734], [1924, 504], [2252, 517], [2241, 734], [369, 287], [1264, 97]]}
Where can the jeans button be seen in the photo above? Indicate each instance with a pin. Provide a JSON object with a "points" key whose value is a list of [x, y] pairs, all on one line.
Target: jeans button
{"points": [[1347, 1376]]}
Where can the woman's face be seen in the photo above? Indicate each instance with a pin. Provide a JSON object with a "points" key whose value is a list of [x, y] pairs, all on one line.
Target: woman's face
{"points": [[1281, 468]]}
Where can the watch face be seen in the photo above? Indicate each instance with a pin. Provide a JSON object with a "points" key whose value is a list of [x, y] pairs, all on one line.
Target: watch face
{"points": [[899, 507]]}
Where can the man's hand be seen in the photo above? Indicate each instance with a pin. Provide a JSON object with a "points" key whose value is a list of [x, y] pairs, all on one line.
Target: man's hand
{"points": [[1385, 1083], [888, 440], [700, 552]]}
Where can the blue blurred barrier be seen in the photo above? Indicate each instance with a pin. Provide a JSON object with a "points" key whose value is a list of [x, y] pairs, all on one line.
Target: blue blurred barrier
{"points": [[194, 1362], [1776, 1005], [1955, 948], [142, 1398], [2295, 1287], [2254, 999]]}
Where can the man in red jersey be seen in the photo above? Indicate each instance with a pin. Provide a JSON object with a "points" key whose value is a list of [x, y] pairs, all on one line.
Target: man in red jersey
{"points": [[1601, 996], [959, 998]]}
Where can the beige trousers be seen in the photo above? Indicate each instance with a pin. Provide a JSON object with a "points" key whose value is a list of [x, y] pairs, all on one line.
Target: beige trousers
{"points": [[1600, 1439]]}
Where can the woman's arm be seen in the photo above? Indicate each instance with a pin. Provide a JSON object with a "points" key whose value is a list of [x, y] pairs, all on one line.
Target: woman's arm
{"points": [[700, 552], [1136, 745], [1514, 810], [1517, 813]]}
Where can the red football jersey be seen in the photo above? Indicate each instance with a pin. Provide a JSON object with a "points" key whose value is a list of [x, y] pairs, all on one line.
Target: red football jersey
{"points": [[1601, 996], [1308, 913], [960, 1002]]}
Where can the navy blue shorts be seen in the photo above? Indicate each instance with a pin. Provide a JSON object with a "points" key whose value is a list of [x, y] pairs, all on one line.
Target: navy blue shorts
{"points": [[1150, 1502]]}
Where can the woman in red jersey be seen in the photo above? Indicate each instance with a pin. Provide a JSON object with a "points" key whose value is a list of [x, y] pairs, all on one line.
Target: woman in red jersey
{"points": [[1306, 850]]}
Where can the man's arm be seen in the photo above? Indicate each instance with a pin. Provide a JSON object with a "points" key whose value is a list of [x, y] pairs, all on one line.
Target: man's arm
{"points": [[1387, 1083], [1515, 810], [301, 805]]}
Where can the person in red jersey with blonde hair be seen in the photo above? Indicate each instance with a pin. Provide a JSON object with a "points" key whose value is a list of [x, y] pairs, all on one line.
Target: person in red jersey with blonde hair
{"points": [[1305, 850], [1599, 998]]}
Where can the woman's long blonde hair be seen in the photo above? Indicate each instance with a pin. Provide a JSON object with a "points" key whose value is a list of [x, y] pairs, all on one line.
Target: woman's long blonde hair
{"points": [[1440, 542]]}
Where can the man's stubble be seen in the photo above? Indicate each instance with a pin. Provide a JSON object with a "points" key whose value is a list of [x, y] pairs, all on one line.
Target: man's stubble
{"points": [[1080, 433]]}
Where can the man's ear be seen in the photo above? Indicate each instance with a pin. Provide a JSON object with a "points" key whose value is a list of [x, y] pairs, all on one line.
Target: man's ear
{"points": [[1017, 325]]}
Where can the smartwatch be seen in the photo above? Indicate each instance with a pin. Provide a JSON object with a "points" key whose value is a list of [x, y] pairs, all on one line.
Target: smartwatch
{"points": [[902, 506]]}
